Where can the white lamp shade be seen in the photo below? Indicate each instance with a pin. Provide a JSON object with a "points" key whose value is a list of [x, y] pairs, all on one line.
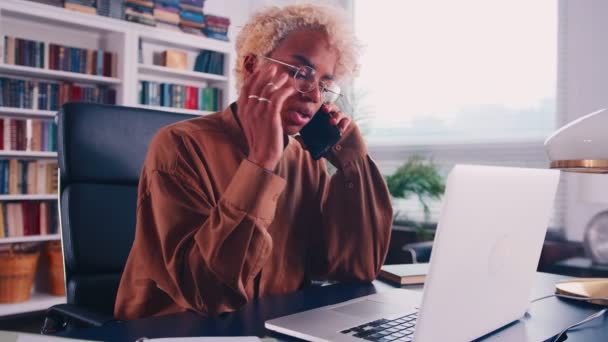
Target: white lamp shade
{"points": [[581, 145]]}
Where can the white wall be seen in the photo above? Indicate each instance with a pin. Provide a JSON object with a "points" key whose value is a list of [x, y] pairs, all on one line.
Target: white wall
{"points": [[584, 78]]}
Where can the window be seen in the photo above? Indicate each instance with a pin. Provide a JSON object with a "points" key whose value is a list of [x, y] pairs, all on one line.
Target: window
{"points": [[471, 81]]}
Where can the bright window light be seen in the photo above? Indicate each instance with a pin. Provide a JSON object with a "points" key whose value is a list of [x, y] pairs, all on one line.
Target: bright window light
{"points": [[469, 71]]}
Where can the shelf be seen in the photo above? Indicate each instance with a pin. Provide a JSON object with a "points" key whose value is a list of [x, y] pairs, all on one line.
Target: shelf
{"points": [[27, 113], [196, 76], [20, 70], [183, 40], [38, 302], [20, 197], [33, 238], [59, 16], [28, 154], [176, 110]]}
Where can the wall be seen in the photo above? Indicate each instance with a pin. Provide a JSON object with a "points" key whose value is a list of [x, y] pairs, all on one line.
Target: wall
{"points": [[584, 81]]}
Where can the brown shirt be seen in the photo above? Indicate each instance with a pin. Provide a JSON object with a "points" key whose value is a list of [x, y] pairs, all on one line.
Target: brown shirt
{"points": [[215, 230]]}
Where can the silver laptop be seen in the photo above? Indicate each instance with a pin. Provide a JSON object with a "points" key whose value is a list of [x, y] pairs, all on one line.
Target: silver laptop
{"points": [[487, 246]]}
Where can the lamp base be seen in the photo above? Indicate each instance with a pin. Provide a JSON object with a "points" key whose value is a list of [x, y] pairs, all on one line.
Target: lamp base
{"points": [[584, 288]]}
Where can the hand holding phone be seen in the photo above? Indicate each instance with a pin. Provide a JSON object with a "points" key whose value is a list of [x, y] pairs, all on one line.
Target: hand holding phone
{"points": [[319, 135]]}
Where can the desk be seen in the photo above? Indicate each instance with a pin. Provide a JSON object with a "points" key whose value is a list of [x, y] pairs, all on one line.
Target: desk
{"points": [[580, 267], [545, 319]]}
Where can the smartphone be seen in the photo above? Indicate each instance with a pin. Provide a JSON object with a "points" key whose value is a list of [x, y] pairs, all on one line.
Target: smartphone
{"points": [[319, 135]]}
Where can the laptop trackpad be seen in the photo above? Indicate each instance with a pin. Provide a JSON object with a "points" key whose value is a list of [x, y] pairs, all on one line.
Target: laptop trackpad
{"points": [[367, 308]]}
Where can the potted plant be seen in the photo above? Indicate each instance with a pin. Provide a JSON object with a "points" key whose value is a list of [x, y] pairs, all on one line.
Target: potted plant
{"points": [[420, 178]]}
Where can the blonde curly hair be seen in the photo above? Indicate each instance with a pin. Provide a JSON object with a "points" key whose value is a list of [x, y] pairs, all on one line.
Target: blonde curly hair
{"points": [[269, 27]]}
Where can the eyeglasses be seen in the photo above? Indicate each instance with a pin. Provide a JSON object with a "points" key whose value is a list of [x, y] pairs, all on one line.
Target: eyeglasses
{"points": [[305, 81]]}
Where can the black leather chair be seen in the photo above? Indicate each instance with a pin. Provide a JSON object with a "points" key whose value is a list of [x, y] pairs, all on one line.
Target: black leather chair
{"points": [[101, 152]]}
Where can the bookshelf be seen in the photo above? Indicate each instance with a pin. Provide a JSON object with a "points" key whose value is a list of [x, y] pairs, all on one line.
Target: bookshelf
{"points": [[136, 48], [37, 238], [56, 74], [176, 110]]}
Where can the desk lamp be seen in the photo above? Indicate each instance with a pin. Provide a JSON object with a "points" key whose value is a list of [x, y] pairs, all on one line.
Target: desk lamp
{"points": [[582, 146]]}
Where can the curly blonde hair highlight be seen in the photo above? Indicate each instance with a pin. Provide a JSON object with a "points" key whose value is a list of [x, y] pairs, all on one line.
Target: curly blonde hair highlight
{"points": [[269, 27]]}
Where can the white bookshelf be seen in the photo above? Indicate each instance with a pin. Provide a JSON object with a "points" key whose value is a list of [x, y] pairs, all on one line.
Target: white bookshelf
{"points": [[38, 302], [28, 154], [32, 238], [40, 22], [27, 113], [176, 110], [24, 197], [195, 76], [20, 70]]}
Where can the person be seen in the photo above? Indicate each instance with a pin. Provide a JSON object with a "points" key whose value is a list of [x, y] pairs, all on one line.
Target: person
{"points": [[232, 207]]}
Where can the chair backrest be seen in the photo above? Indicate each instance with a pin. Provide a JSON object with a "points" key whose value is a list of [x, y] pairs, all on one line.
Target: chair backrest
{"points": [[101, 150]]}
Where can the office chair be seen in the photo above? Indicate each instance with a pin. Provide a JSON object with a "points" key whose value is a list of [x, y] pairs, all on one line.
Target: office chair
{"points": [[101, 150]]}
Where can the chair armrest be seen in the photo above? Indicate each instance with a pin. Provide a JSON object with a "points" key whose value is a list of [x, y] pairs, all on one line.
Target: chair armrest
{"points": [[57, 318], [420, 251]]}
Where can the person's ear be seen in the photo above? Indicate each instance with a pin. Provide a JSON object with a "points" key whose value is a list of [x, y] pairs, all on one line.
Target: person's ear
{"points": [[250, 63]]}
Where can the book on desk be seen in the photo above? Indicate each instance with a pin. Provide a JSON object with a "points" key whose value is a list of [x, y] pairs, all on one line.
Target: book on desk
{"points": [[404, 274]]}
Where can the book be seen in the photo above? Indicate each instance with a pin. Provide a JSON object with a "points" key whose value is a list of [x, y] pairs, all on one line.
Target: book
{"points": [[404, 274]]}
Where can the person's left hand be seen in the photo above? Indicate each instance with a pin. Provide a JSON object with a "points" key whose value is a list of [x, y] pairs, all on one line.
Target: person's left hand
{"points": [[337, 117]]}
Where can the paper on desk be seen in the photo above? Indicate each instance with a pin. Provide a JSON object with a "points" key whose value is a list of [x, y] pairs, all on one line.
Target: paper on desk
{"points": [[9, 336], [207, 339]]}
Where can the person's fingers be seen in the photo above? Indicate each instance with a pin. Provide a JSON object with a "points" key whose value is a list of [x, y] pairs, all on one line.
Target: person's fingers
{"points": [[343, 124], [336, 117], [266, 75], [278, 98], [300, 140], [273, 85]]}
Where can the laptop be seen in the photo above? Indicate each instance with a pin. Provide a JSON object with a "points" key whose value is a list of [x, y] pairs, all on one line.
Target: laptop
{"points": [[487, 246]]}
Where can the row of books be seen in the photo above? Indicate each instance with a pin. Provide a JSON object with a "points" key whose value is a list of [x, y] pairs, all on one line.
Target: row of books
{"points": [[19, 51], [180, 96], [85, 61], [28, 218], [36, 94], [28, 177], [28, 135], [210, 62]]}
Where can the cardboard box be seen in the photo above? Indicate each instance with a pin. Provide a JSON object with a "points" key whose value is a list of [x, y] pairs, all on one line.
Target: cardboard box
{"points": [[174, 59]]}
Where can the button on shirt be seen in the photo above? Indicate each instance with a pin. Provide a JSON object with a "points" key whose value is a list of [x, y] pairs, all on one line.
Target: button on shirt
{"points": [[215, 230]]}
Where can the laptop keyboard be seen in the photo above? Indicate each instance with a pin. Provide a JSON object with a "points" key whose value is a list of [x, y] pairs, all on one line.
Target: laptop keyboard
{"points": [[400, 329]]}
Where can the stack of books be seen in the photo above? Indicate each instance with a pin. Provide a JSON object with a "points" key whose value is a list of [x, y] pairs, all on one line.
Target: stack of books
{"points": [[85, 6], [111, 8], [217, 27], [191, 16], [140, 11], [23, 52], [166, 13]]}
